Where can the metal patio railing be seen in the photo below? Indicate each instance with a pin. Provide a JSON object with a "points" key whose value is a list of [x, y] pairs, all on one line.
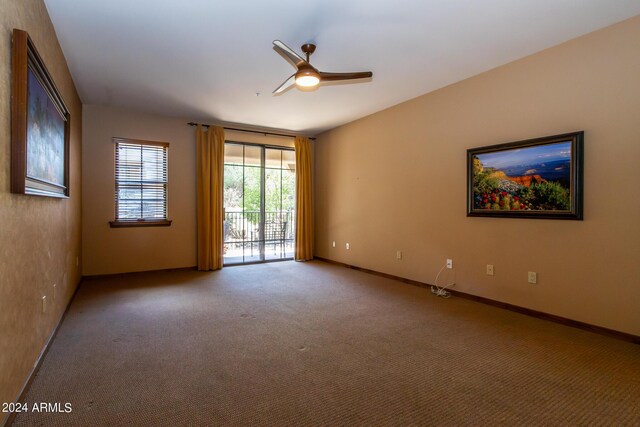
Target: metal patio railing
{"points": [[248, 230]]}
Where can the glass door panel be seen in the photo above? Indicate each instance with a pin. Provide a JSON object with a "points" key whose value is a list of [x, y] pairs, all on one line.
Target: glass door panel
{"points": [[274, 219], [289, 207], [259, 199], [252, 213], [234, 234]]}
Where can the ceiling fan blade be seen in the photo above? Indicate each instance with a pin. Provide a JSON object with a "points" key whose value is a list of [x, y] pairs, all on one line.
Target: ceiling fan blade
{"points": [[285, 85], [332, 77], [287, 53]]}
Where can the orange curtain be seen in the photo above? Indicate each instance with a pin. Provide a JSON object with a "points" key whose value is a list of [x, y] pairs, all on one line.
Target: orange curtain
{"points": [[304, 206], [209, 171]]}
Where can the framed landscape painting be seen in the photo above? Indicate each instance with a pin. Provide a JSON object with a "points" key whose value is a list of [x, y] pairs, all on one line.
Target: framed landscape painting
{"points": [[536, 178], [39, 125]]}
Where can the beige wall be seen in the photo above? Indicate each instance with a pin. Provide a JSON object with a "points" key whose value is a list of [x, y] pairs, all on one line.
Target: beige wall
{"points": [[396, 180], [117, 250], [39, 236]]}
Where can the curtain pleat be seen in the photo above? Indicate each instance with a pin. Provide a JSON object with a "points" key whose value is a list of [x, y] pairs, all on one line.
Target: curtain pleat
{"points": [[304, 206], [209, 172]]}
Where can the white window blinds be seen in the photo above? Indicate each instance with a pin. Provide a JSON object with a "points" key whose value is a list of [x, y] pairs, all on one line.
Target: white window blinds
{"points": [[141, 180]]}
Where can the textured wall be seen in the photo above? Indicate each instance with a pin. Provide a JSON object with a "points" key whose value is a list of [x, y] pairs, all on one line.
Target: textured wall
{"points": [[39, 237], [396, 180], [117, 250]]}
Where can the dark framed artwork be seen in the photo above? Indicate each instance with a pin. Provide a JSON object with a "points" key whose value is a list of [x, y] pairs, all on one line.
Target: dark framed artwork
{"points": [[536, 178], [39, 125]]}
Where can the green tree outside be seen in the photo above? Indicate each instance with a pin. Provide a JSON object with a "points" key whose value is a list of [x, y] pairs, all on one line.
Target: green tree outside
{"points": [[239, 196]]}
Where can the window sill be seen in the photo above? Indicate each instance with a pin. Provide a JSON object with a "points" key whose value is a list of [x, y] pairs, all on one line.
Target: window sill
{"points": [[140, 223]]}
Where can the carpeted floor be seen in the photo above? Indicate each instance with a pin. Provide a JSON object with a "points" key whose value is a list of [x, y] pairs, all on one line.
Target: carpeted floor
{"points": [[312, 344]]}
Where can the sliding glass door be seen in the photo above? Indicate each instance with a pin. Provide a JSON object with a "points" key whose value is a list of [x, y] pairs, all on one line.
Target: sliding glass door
{"points": [[259, 200]]}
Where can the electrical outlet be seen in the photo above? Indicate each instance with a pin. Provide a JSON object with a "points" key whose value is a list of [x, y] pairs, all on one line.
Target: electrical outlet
{"points": [[532, 277], [54, 291], [44, 304], [346, 246], [333, 244], [449, 263], [398, 254], [489, 269]]}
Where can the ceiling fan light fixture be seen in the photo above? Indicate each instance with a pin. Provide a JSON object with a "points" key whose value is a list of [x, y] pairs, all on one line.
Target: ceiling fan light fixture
{"points": [[307, 78]]}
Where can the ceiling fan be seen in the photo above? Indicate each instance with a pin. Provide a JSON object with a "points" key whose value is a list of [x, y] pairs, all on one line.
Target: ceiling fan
{"points": [[307, 77]]}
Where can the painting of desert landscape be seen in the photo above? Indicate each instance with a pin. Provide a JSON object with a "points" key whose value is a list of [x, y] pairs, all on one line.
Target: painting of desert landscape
{"points": [[534, 178]]}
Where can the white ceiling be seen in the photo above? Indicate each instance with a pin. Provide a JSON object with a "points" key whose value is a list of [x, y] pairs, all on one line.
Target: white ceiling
{"points": [[206, 59]]}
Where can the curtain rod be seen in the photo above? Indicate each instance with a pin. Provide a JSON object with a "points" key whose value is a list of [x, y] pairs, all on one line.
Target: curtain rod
{"points": [[247, 130]]}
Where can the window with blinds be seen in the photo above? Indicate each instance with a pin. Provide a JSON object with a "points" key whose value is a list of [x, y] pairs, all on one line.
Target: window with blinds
{"points": [[141, 182]]}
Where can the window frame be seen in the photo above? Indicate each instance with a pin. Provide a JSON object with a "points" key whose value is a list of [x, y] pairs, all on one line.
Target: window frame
{"points": [[140, 222]]}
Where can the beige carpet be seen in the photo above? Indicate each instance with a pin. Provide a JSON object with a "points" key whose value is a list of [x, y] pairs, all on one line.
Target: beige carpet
{"points": [[312, 344]]}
